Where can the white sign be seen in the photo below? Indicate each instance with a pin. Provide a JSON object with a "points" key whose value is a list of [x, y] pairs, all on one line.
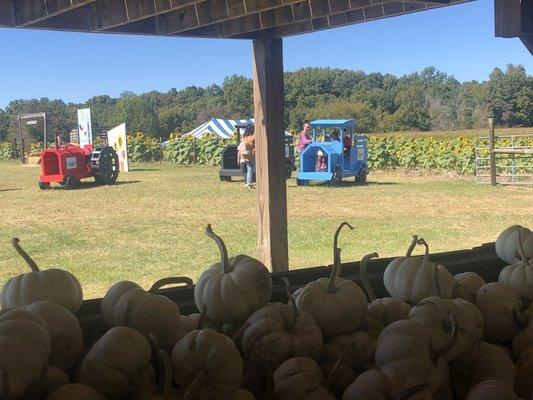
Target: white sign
{"points": [[33, 122], [71, 163], [116, 138], [360, 153], [85, 131]]}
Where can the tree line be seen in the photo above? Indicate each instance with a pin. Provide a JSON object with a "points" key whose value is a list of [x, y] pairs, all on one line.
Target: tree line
{"points": [[422, 101]]}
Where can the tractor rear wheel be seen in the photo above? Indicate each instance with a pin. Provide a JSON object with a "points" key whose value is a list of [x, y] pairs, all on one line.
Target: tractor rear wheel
{"points": [[105, 166], [361, 178], [70, 182]]}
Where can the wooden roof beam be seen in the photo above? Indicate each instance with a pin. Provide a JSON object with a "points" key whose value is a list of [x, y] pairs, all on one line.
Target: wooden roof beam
{"points": [[113, 14], [290, 13], [313, 15], [369, 13], [215, 11], [514, 18], [30, 12]]}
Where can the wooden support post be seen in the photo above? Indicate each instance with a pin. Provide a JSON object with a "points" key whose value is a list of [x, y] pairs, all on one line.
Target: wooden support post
{"points": [[492, 155], [270, 151]]}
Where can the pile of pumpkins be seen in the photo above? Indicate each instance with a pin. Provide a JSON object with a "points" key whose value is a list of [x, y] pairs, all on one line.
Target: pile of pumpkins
{"points": [[438, 336]]}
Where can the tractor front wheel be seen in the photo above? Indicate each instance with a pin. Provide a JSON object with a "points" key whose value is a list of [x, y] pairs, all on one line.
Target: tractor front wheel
{"points": [[302, 182], [337, 177], [44, 185]]}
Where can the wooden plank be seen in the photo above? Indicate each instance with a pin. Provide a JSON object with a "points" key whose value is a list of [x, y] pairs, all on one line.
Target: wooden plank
{"points": [[7, 13], [507, 18], [270, 151], [30, 12], [492, 155]]}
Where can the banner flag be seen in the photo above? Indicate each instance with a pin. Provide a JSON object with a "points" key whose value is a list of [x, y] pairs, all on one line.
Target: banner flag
{"points": [[85, 130]]}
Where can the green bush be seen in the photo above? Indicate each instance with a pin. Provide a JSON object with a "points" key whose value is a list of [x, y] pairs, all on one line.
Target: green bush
{"points": [[6, 151]]}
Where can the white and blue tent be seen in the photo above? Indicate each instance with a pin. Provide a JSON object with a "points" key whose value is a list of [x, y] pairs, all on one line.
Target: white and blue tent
{"points": [[222, 128]]}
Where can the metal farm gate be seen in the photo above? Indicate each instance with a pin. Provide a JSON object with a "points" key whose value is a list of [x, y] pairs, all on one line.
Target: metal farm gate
{"points": [[504, 160]]}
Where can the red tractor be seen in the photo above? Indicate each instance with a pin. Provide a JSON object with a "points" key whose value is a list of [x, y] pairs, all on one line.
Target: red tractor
{"points": [[70, 163]]}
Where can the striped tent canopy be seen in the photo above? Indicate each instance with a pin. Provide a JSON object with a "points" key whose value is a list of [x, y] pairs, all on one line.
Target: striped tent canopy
{"points": [[222, 128]]}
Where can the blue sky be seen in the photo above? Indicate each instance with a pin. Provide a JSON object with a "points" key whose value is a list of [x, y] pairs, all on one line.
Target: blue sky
{"points": [[458, 40]]}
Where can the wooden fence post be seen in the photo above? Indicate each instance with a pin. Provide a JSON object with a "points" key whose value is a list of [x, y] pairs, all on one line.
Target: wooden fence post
{"points": [[492, 155]]}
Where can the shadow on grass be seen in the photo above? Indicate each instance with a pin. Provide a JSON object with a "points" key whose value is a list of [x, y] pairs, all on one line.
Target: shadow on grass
{"points": [[91, 185], [349, 184], [9, 190], [144, 170]]}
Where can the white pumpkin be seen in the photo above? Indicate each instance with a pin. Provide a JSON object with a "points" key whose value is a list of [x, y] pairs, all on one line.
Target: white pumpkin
{"points": [[520, 274], [277, 332], [300, 379], [345, 357], [55, 285], [24, 350], [434, 314], [523, 340], [503, 312], [524, 374], [381, 312], [337, 305], [375, 385], [229, 291], [150, 313], [404, 353], [415, 278], [118, 360], [76, 391], [481, 364], [65, 332], [55, 378], [467, 284], [112, 297], [208, 365], [507, 243], [492, 390]]}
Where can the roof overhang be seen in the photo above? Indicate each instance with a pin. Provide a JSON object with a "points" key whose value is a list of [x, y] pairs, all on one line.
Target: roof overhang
{"points": [[206, 18]]}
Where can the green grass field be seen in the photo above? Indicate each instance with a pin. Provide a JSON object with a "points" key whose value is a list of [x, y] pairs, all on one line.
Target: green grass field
{"points": [[151, 224]]}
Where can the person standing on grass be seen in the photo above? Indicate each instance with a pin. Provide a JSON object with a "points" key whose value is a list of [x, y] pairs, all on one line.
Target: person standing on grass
{"points": [[240, 159], [248, 154], [304, 138]]}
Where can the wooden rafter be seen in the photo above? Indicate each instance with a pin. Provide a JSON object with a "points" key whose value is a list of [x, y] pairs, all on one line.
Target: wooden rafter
{"points": [[26, 13]]}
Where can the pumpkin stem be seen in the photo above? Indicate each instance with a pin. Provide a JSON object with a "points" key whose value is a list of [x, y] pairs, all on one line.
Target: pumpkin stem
{"points": [[364, 277], [164, 374], [24, 255], [170, 281], [521, 250], [412, 246], [336, 258], [409, 392], [240, 331], [292, 326], [421, 241], [194, 385], [221, 246], [436, 281], [338, 363], [453, 340]]}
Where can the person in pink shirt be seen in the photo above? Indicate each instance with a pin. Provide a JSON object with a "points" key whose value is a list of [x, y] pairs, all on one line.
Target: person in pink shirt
{"points": [[304, 138]]}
